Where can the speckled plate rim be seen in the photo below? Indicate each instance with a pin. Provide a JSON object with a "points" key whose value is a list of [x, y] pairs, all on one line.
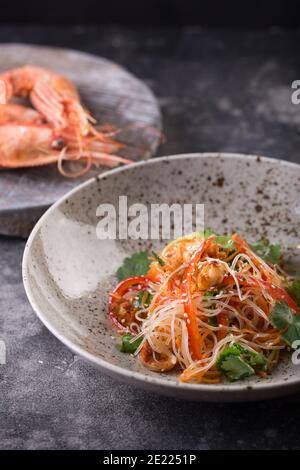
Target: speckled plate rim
{"points": [[224, 392]]}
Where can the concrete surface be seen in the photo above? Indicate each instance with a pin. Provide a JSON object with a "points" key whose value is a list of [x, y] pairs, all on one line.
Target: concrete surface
{"points": [[219, 91]]}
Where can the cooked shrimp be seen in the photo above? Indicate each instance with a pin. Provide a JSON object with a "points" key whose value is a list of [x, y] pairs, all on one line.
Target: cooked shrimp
{"points": [[58, 129], [156, 362], [210, 275], [54, 96], [18, 113], [27, 145], [23, 145]]}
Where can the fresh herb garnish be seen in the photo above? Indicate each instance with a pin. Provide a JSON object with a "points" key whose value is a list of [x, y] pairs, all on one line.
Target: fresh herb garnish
{"points": [[129, 344], [158, 258], [294, 291], [207, 233], [254, 358], [208, 294], [235, 368], [284, 319], [226, 242], [238, 362], [143, 299], [136, 265], [268, 252]]}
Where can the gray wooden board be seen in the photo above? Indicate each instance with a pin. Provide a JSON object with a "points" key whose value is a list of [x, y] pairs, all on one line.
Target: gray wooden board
{"points": [[113, 96]]}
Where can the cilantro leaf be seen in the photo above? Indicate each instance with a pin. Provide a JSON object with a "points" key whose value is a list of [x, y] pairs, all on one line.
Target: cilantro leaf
{"points": [[144, 299], [283, 318], [225, 241], [235, 368], [238, 362], [207, 233], [158, 258], [208, 294], [129, 345], [294, 291], [268, 252], [135, 265], [281, 315], [254, 358]]}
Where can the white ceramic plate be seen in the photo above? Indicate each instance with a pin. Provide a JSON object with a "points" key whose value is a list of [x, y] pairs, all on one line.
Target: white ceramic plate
{"points": [[68, 272]]}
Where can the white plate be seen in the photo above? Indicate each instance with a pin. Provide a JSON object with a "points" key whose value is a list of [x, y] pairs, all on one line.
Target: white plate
{"points": [[68, 272]]}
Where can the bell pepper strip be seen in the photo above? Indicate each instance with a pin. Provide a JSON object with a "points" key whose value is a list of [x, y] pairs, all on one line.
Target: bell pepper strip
{"points": [[189, 308], [131, 283], [277, 293]]}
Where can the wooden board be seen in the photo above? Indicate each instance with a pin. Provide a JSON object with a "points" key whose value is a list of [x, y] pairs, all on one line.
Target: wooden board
{"points": [[113, 96]]}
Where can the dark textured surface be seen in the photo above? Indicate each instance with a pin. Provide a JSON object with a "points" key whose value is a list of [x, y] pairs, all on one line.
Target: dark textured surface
{"points": [[219, 91]]}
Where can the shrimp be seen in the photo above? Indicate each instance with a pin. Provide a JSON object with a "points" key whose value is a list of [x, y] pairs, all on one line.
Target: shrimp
{"points": [[210, 275], [54, 96], [157, 363], [26, 145], [18, 113], [57, 129]]}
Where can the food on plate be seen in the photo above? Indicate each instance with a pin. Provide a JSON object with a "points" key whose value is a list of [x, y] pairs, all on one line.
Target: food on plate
{"points": [[208, 307], [56, 128]]}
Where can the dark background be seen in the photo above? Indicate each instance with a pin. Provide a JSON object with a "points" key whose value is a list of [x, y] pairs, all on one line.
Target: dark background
{"points": [[222, 72], [226, 13]]}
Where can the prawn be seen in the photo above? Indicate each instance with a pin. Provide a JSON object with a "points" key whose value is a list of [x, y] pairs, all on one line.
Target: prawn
{"points": [[27, 145], [17, 113], [53, 95], [210, 275], [57, 129]]}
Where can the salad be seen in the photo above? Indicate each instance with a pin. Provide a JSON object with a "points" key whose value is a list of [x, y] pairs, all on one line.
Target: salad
{"points": [[208, 307]]}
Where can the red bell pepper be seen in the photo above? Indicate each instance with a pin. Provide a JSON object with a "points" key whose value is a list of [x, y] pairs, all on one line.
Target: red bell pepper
{"points": [[277, 293], [131, 283], [189, 309]]}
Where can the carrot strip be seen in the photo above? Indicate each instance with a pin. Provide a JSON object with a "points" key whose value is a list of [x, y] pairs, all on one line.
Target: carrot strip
{"points": [[189, 308]]}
